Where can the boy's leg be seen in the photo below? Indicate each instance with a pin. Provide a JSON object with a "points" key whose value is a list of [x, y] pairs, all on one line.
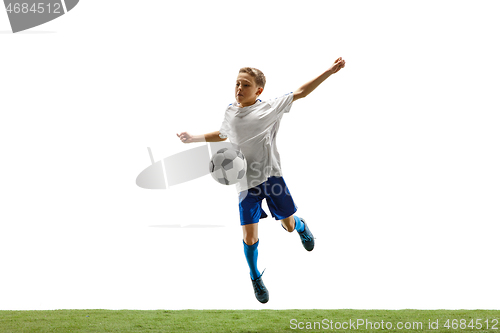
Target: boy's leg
{"points": [[250, 209], [280, 202], [250, 213], [288, 223], [250, 233], [292, 223], [250, 245]]}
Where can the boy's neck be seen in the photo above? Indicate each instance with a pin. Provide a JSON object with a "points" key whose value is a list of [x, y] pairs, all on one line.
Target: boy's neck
{"points": [[244, 106]]}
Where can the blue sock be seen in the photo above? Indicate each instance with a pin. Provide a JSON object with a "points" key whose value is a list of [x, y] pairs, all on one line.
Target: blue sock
{"points": [[299, 225], [251, 253]]}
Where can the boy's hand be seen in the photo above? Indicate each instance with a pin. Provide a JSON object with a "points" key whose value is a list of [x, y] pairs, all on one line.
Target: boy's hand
{"points": [[186, 137], [337, 65]]}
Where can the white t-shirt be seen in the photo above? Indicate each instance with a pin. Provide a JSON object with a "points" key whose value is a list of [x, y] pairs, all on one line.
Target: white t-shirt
{"points": [[253, 128]]}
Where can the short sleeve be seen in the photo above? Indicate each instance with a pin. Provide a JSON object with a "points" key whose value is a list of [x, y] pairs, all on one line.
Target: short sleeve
{"points": [[225, 129], [282, 104]]}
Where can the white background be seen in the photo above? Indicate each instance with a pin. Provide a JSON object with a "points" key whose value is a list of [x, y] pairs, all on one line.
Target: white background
{"points": [[393, 161]]}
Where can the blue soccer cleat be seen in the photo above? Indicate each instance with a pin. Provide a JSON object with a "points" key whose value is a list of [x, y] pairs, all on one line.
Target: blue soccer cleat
{"points": [[306, 237], [260, 290]]}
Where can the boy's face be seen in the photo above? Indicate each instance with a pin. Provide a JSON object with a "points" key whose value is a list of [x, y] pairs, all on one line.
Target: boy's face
{"points": [[246, 91]]}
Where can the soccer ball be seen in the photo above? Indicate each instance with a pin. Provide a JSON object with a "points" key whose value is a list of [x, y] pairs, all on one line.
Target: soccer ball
{"points": [[228, 166]]}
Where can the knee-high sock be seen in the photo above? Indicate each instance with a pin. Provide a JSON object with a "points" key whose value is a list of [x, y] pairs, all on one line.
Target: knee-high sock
{"points": [[299, 225], [251, 253]]}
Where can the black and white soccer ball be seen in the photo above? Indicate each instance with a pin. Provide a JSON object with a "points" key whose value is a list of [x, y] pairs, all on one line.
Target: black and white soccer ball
{"points": [[228, 166]]}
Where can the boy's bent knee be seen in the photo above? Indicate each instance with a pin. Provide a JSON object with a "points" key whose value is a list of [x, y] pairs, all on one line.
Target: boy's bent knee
{"points": [[288, 227], [288, 223]]}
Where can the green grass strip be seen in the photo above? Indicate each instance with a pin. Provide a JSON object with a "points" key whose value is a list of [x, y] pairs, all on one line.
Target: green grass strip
{"points": [[250, 321]]}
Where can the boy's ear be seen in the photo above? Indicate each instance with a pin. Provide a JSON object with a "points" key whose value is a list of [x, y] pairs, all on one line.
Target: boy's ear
{"points": [[260, 90]]}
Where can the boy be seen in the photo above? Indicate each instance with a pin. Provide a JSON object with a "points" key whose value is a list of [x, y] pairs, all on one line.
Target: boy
{"points": [[252, 125]]}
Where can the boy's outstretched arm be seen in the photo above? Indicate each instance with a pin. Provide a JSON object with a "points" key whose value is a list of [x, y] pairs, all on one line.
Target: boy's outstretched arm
{"points": [[209, 137], [307, 88]]}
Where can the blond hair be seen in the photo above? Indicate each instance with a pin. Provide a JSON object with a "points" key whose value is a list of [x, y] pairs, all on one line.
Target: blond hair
{"points": [[257, 75]]}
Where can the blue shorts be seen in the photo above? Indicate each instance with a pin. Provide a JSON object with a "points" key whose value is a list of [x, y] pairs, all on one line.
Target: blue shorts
{"points": [[278, 198]]}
